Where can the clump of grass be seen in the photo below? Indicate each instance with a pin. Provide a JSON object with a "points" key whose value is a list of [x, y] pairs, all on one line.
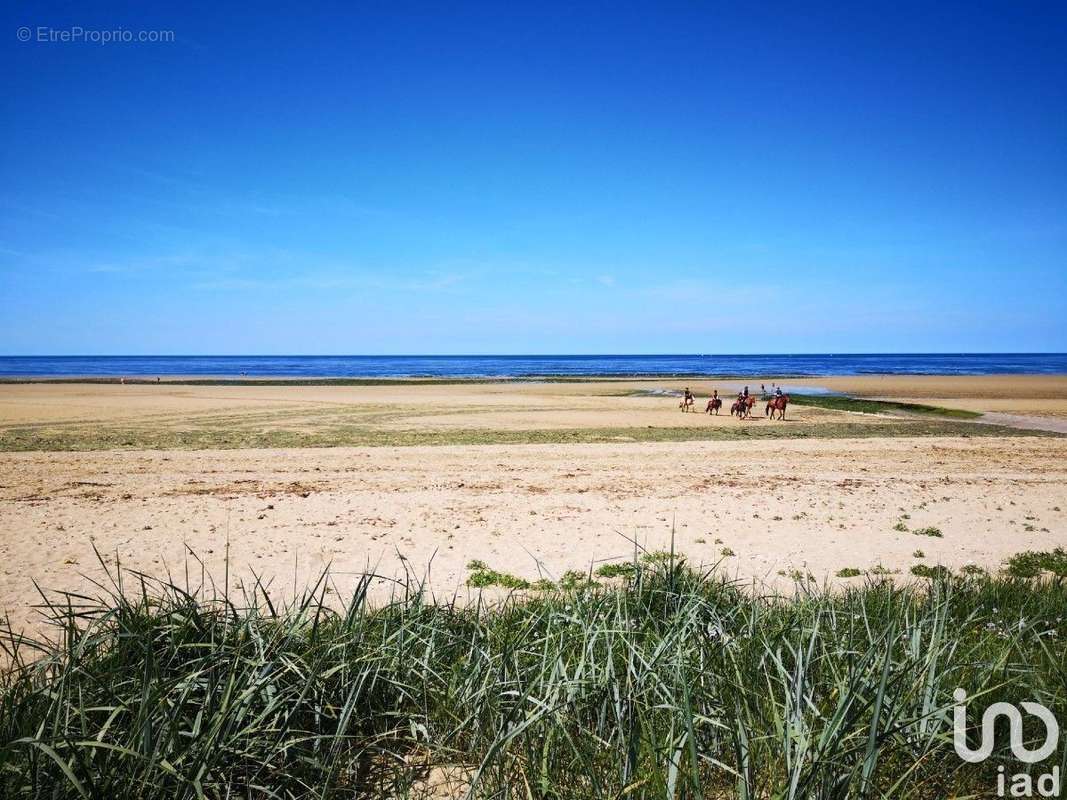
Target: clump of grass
{"points": [[929, 530], [918, 554], [900, 526], [935, 573], [849, 572], [616, 570], [1032, 563], [661, 557], [726, 552], [973, 569], [483, 578], [572, 580], [674, 684]]}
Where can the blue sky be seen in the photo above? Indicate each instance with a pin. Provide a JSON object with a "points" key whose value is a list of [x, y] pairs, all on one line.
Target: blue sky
{"points": [[573, 178]]}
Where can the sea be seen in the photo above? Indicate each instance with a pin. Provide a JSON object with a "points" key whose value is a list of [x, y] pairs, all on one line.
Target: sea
{"points": [[533, 366]]}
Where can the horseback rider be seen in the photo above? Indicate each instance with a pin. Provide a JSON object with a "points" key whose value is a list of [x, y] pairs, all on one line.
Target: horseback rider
{"points": [[778, 392]]}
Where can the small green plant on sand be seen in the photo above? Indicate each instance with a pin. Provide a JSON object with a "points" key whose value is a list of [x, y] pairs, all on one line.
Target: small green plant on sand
{"points": [[1032, 563], [654, 558], [930, 530], [849, 572], [485, 577], [918, 554], [926, 571], [882, 570], [616, 570], [662, 557], [900, 526], [572, 580]]}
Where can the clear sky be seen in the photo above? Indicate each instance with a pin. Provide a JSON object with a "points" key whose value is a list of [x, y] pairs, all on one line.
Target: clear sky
{"points": [[500, 178]]}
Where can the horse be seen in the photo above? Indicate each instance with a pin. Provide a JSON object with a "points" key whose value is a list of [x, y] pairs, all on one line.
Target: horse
{"points": [[778, 404], [714, 404], [743, 406], [687, 404]]}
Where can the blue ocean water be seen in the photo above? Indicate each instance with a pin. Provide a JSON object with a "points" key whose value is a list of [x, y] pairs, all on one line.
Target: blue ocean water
{"points": [[534, 366]]}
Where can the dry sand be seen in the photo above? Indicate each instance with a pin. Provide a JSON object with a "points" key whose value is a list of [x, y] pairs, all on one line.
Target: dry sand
{"points": [[779, 505]]}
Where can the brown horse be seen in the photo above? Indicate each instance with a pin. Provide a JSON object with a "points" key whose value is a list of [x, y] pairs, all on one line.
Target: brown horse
{"points": [[743, 406], [777, 404], [714, 404]]}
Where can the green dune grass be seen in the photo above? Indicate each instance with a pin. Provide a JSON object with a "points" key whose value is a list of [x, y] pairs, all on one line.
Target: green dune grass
{"points": [[663, 682]]}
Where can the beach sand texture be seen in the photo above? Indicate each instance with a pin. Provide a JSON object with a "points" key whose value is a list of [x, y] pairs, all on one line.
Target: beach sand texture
{"points": [[767, 510]]}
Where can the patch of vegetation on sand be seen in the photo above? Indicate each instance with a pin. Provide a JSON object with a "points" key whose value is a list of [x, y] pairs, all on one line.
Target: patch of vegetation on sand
{"points": [[346, 432], [482, 576], [935, 572], [843, 403], [929, 530], [1032, 563], [671, 684]]}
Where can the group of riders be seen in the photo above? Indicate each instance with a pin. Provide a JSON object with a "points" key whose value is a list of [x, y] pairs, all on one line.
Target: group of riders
{"points": [[742, 406]]}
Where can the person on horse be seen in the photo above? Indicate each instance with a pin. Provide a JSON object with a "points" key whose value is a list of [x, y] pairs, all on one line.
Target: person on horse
{"points": [[778, 392], [688, 401]]}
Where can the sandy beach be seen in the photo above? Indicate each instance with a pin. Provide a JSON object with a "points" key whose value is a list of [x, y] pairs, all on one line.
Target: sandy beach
{"points": [[802, 498]]}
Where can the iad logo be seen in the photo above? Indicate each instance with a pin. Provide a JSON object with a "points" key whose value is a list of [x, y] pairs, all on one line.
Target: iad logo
{"points": [[1022, 785]]}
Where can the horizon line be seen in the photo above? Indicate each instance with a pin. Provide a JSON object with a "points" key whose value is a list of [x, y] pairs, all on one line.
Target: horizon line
{"points": [[826, 354]]}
